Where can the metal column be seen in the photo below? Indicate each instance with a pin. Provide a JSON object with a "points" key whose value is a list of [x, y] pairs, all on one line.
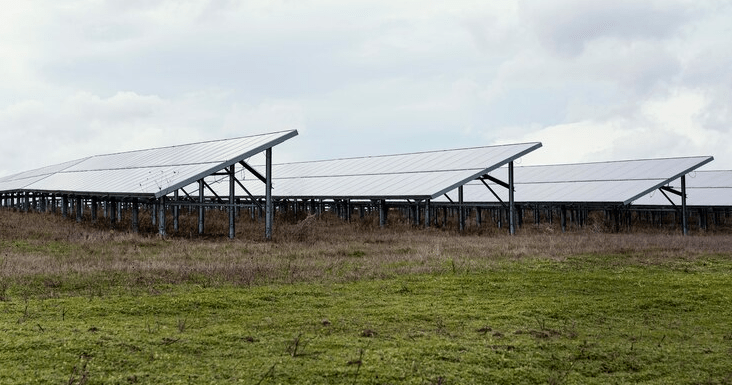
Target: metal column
{"points": [[268, 197], [511, 208], [79, 210], [201, 199], [232, 208], [135, 215], [65, 205], [176, 212], [161, 218], [94, 204], [684, 224], [461, 209], [113, 211]]}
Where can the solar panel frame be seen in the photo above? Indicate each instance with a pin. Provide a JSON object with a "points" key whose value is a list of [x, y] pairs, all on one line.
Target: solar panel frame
{"points": [[151, 173], [706, 188], [419, 175], [607, 183]]}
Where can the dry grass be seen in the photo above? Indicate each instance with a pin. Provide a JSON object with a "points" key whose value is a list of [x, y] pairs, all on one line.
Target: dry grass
{"points": [[50, 253]]}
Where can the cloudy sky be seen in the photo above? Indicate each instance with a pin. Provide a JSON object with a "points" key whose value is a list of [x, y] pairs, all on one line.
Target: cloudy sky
{"points": [[591, 80]]}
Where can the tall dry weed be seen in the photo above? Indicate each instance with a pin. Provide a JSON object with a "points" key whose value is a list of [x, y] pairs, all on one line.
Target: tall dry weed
{"points": [[51, 253]]}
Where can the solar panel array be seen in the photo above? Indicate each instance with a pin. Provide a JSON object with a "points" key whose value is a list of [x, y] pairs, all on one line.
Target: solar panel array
{"points": [[618, 182], [704, 188], [153, 172], [424, 175], [420, 175]]}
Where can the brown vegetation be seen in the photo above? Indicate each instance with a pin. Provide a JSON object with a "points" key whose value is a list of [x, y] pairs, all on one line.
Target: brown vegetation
{"points": [[45, 251]]}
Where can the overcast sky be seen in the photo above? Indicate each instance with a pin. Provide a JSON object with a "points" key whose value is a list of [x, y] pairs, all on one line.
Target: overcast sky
{"points": [[591, 80]]}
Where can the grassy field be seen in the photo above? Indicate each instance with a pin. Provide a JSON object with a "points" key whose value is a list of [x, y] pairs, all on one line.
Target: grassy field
{"points": [[335, 303]]}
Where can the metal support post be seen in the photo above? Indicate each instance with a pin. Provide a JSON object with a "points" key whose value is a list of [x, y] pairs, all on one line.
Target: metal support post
{"points": [[113, 211], [684, 225], [461, 209], [79, 210], [268, 196], [64, 205], [232, 208], [94, 204], [135, 215], [201, 199], [176, 212], [511, 208], [427, 217], [161, 219]]}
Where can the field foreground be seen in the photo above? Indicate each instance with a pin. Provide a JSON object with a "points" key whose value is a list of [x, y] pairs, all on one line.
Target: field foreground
{"points": [[353, 304]]}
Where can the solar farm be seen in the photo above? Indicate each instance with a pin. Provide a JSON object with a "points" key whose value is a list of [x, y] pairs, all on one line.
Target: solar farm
{"points": [[211, 262], [425, 187]]}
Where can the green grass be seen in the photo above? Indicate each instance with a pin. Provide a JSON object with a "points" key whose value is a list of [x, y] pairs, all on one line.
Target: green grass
{"points": [[587, 319]]}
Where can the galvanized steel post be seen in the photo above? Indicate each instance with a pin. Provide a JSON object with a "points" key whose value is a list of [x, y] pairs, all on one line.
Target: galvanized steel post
{"points": [[94, 204], [135, 215], [461, 210], [382, 212], [79, 210], [201, 199], [112, 211], [268, 196], [64, 205], [232, 208], [176, 212], [511, 208], [684, 225], [161, 219], [427, 216]]}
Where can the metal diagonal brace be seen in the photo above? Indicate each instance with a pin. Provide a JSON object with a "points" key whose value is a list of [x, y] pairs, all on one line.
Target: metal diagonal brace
{"points": [[494, 193], [671, 190], [494, 180], [255, 172], [188, 195], [667, 197], [212, 191], [248, 193]]}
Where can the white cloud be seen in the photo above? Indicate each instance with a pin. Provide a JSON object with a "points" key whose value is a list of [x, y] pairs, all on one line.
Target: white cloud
{"points": [[358, 78]]}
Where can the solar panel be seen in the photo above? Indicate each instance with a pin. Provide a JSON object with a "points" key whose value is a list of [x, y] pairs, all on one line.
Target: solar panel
{"points": [[421, 175], [704, 188], [618, 182], [152, 172], [26, 178]]}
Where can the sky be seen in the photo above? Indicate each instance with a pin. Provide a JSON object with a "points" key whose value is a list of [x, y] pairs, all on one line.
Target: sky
{"points": [[592, 80]]}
